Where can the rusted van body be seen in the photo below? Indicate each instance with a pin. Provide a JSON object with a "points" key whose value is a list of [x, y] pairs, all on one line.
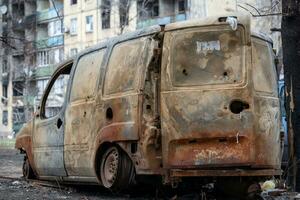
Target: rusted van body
{"points": [[189, 99]]}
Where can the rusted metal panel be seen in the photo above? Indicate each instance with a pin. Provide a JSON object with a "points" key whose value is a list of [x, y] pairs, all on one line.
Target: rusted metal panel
{"points": [[222, 173], [24, 143]]}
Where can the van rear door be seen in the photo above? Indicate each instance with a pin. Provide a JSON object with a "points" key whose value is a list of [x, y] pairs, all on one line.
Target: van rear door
{"points": [[203, 73]]}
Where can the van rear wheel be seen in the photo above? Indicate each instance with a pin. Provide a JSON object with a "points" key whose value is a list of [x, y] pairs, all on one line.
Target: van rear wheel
{"points": [[27, 170], [116, 169]]}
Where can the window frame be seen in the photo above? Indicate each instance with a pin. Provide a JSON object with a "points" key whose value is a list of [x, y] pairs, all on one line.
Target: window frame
{"points": [[49, 87], [73, 2], [72, 32], [90, 25]]}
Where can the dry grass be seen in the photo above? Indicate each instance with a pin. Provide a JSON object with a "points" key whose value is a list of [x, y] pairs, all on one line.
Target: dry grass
{"points": [[7, 143]]}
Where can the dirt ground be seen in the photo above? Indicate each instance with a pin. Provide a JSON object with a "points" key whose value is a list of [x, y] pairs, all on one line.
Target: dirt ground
{"points": [[11, 166], [15, 187]]}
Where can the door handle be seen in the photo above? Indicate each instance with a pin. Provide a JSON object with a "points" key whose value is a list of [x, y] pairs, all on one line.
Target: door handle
{"points": [[59, 123]]}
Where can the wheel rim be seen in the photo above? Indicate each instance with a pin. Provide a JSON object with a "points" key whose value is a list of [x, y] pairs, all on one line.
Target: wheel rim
{"points": [[109, 169]]}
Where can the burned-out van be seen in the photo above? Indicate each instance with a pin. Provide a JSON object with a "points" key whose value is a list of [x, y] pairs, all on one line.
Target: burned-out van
{"points": [[190, 99]]}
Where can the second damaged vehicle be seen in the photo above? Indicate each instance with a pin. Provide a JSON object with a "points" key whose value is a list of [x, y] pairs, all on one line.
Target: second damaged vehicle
{"points": [[190, 99]]}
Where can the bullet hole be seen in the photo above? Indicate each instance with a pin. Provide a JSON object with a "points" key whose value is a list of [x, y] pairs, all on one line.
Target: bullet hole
{"points": [[59, 123], [223, 140], [234, 81], [192, 141], [238, 106], [148, 107], [225, 74], [184, 72], [109, 114], [133, 147]]}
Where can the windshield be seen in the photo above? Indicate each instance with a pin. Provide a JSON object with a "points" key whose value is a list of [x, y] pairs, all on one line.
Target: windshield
{"points": [[203, 57]]}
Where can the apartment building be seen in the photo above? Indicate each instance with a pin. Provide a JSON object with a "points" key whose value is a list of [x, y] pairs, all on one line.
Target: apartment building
{"points": [[18, 29], [87, 22], [49, 45], [34, 44], [90, 21]]}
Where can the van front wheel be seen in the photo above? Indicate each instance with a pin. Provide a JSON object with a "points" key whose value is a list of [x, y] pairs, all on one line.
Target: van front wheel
{"points": [[27, 170], [116, 169]]}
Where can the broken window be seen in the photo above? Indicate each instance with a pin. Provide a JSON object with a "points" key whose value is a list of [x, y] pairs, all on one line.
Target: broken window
{"points": [[147, 9], [124, 66], [5, 117], [90, 75], [4, 67], [89, 23], [181, 5], [207, 57], [73, 28], [72, 2], [18, 88], [124, 12], [105, 13], [264, 73], [18, 115], [55, 93]]}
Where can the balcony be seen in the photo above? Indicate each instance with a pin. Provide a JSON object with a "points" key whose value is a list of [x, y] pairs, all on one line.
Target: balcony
{"points": [[48, 14], [50, 42], [19, 73], [42, 72], [161, 20], [30, 20]]}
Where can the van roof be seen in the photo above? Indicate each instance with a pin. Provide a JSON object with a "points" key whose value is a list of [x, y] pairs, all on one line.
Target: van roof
{"points": [[243, 19]]}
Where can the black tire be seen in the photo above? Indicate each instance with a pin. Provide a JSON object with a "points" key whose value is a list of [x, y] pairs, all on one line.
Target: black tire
{"points": [[116, 170], [27, 169]]}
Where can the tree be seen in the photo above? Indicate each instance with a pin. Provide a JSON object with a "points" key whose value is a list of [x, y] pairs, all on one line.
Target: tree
{"points": [[291, 59]]}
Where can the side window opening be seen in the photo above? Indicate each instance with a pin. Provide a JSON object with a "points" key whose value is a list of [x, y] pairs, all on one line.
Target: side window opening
{"points": [[55, 94]]}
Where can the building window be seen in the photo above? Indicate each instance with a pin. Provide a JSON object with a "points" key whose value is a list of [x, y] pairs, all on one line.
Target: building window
{"points": [[18, 88], [18, 115], [73, 29], [41, 85], [147, 9], [5, 117], [4, 91], [43, 58], [73, 2], [89, 23], [73, 52], [55, 28], [105, 13], [181, 5], [56, 56], [4, 67], [124, 12]]}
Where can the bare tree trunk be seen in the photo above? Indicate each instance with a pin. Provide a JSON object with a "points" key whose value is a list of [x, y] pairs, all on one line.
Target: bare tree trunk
{"points": [[291, 60]]}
